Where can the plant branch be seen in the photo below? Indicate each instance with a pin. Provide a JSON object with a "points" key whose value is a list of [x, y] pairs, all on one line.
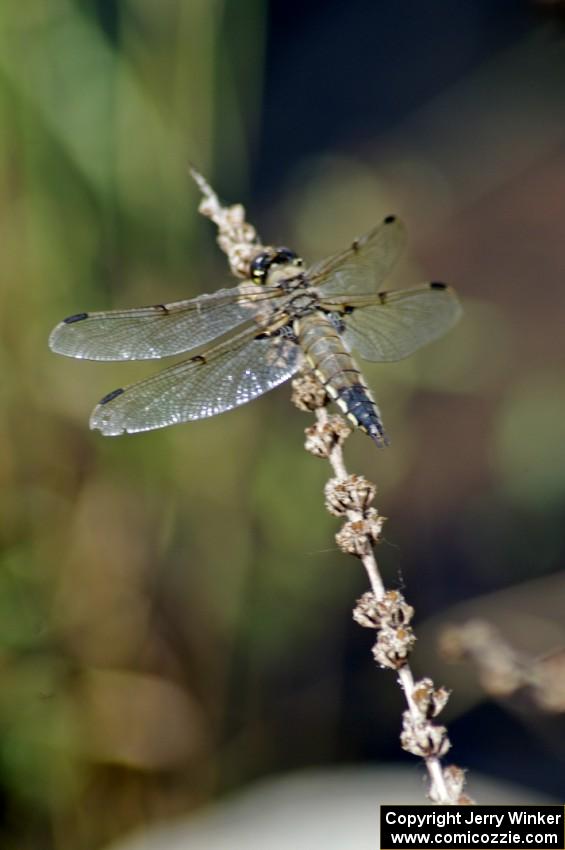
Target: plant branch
{"points": [[350, 497]]}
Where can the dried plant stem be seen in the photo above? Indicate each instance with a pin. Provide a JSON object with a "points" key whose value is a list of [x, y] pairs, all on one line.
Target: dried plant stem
{"points": [[438, 787], [338, 466], [236, 237], [350, 496]]}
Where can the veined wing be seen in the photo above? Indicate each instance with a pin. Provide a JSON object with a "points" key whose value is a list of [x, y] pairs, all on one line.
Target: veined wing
{"points": [[365, 265], [391, 325], [148, 333], [232, 373]]}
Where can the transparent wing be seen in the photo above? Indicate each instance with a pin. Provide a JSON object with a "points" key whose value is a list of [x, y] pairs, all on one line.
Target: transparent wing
{"points": [[364, 266], [231, 374], [148, 333], [392, 325]]}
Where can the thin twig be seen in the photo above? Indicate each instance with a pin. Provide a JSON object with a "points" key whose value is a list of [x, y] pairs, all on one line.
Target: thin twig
{"points": [[438, 787]]}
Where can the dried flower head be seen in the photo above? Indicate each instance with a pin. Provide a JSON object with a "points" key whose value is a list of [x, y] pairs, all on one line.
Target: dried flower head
{"points": [[391, 610], [358, 536], [308, 393], [455, 779], [323, 437], [393, 646], [366, 611], [428, 700], [354, 493], [422, 738]]}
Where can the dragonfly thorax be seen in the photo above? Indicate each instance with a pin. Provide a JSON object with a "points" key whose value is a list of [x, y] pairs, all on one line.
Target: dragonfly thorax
{"points": [[303, 303]]}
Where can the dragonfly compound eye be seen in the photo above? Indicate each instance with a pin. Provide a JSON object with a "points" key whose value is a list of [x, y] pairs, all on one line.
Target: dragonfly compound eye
{"points": [[284, 255], [259, 266]]}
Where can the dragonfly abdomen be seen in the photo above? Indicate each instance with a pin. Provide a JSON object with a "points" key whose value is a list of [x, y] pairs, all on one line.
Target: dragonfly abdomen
{"points": [[336, 369]]}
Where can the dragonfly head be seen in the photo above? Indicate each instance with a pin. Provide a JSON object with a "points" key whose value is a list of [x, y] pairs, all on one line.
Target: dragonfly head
{"points": [[261, 265]]}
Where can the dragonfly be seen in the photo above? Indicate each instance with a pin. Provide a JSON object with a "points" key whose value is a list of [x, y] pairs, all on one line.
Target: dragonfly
{"points": [[244, 341]]}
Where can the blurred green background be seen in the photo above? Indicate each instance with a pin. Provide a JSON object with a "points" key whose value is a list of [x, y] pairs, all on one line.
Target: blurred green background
{"points": [[175, 619]]}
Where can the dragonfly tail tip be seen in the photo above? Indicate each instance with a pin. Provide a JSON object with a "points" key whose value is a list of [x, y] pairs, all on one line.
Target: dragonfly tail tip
{"points": [[380, 439]]}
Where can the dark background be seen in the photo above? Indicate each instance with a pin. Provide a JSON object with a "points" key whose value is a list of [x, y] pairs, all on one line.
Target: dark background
{"points": [[175, 619]]}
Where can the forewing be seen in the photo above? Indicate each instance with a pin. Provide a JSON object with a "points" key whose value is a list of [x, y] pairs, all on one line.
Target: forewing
{"points": [[364, 266], [163, 330], [231, 374], [392, 325]]}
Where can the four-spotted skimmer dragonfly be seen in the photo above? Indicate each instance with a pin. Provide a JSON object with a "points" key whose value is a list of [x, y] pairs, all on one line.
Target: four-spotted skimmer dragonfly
{"points": [[246, 340]]}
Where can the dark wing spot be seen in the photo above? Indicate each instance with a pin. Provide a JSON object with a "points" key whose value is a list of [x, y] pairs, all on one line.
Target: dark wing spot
{"points": [[383, 297], [435, 285], [111, 396], [390, 219], [78, 317], [199, 359], [161, 307]]}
